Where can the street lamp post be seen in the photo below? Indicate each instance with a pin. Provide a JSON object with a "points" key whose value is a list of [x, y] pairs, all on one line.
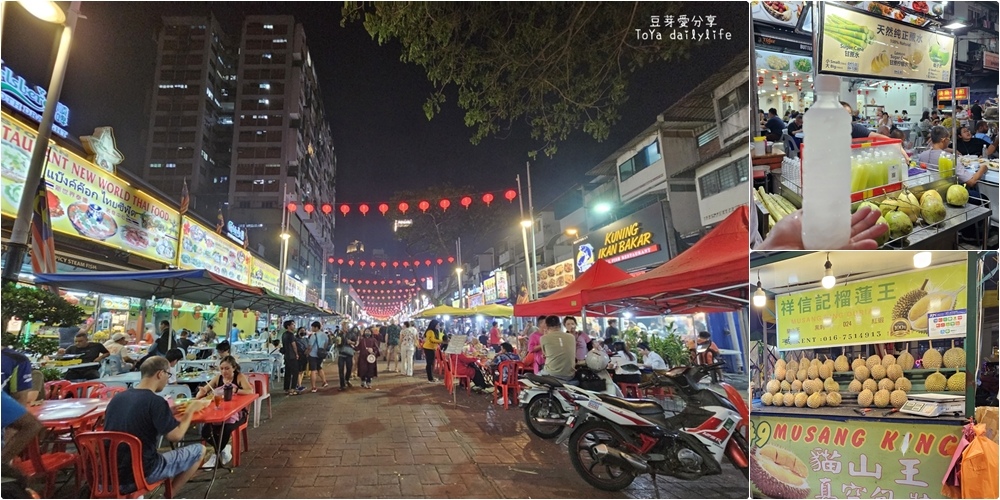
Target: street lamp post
{"points": [[461, 296], [338, 309], [284, 260], [49, 12], [529, 278]]}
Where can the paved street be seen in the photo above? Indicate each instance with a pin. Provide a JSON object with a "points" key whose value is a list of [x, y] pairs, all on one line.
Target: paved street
{"points": [[405, 439]]}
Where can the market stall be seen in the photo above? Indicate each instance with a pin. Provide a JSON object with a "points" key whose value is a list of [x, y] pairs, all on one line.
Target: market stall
{"points": [[886, 58], [875, 372], [570, 299]]}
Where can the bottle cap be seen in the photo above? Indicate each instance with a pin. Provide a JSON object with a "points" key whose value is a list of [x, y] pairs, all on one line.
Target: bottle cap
{"points": [[827, 83]]}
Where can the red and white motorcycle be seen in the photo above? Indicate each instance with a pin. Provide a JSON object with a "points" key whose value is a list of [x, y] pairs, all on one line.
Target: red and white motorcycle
{"points": [[612, 440]]}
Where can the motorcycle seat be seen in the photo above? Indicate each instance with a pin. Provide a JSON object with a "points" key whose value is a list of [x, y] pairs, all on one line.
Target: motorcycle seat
{"points": [[544, 379], [639, 407]]}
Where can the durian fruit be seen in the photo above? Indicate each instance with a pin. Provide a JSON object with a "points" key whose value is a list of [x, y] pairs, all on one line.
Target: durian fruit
{"points": [[888, 360], [903, 384], [803, 375], [870, 385], [800, 399], [931, 360], [858, 361], [815, 401], [793, 367], [935, 382], [780, 364], [790, 374], [833, 399], [796, 386], [813, 371], [789, 399], [841, 364], [878, 372], [956, 382], [897, 398], [779, 372], [803, 362], [777, 399], [881, 399], [855, 386], [865, 398], [862, 373], [815, 362], [766, 399], [954, 358], [785, 386], [886, 384], [905, 360], [906, 301], [831, 385], [872, 361], [809, 387], [773, 386], [826, 369], [893, 372]]}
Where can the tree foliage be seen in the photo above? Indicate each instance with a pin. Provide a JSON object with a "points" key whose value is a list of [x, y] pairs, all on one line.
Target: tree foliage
{"points": [[559, 66], [37, 305]]}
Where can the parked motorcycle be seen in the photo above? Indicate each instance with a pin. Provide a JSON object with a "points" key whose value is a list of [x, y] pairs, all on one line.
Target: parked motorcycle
{"points": [[612, 440]]}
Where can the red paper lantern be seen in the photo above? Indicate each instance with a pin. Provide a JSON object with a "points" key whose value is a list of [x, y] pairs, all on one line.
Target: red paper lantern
{"points": [[330, 260], [362, 263], [510, 195], [363, 209], [451, 259], [292, 206], [427, 262], [350, 262], [395, 263], [326, 208], [488, 198], [406, 263], [384, 264], [309, 208], [344, 209], [384, 208], [423, 205], [404, 206], [340, 262], [466, 201], [416, 263], [368, 282], [444, 204], [440, 261]]}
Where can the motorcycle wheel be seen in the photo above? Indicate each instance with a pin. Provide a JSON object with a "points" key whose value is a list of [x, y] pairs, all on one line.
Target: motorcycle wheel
{"points": [[543, 406], [603, 476], [741, 441]]}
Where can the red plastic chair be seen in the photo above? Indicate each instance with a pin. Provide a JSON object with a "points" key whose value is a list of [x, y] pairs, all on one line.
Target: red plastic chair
{"points": [[55, 388], [629, 390], [509, 389], [262, 388], [107, 392], [439, 362], [99, 452], [240, 442], [81, 389], [34, 463], [451, 374]]}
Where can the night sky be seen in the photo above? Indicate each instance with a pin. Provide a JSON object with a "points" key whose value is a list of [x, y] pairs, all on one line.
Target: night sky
{"points": [[383, 140]]}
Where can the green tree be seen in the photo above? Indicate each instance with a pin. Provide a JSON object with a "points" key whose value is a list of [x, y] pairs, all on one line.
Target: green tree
{"points": [[559, 66], [435, 231], [37, 305]]}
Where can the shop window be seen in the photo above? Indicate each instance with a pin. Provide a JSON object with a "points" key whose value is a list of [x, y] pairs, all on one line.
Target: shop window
{"points": [[723, 178], [644, 158], [708, 137]]}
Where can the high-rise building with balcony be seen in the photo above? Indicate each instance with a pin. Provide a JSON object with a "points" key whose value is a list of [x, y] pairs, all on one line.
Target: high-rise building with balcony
{"points": [[191, 116]]}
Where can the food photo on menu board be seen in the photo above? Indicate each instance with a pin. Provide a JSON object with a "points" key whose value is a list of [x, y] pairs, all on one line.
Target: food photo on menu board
{"points": [[87, 202], [556, 276], [203, 249]]}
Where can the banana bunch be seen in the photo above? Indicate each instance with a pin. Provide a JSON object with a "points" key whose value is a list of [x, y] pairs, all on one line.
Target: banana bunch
{"points": [[880, 62]]}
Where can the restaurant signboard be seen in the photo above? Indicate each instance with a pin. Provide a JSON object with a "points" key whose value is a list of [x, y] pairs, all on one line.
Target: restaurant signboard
{"points": [[87, 202], [632, 242], [264, 275], [202, 248], [490, 290], [295, 288], [503, 292]]}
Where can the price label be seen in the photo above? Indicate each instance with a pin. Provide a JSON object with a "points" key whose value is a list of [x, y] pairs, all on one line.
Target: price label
{"points": [[947, 323]]}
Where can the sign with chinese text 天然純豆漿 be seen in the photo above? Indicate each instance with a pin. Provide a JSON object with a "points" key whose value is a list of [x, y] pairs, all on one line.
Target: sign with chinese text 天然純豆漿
{"points": [[893, 308]]}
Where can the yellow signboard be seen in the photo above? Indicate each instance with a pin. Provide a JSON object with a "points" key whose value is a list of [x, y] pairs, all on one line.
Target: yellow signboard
{"points": [[295, 288], [86, 201], [265, 275], [892, 308], [858, 44], [202, 248]]}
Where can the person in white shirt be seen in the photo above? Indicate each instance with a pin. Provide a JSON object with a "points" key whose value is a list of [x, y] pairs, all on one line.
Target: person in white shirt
{"points": [[650, 359], [407, 346]]}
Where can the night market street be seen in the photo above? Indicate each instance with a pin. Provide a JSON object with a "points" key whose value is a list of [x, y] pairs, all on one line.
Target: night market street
{"points": [[404, 439]]}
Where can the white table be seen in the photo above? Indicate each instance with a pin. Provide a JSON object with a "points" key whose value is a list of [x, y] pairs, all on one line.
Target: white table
{"points": [[204, 364], [64, 368], [128, 378]]}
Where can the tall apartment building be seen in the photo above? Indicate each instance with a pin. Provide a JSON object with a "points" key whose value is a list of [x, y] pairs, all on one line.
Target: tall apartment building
{"points": [[190, 123], [282, 145]]}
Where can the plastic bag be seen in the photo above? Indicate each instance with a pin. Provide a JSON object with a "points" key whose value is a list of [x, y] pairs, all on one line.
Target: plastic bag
{"points": [[981, 467]]}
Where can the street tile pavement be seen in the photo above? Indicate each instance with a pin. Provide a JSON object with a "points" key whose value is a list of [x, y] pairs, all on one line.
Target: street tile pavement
{"points": [[407, 439]]}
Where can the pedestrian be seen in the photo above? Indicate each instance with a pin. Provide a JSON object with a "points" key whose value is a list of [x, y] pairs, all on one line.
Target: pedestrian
{"points": [[368, 349], [234, 333], [494, 337], [300, 339], [535, 356], [319, 347], [345, 342], [392, 345], [290, 349], [408, 346], [432, 339]]}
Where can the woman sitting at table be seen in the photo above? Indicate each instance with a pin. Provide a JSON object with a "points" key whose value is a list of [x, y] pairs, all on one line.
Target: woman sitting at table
{"points": [[469, 366], [626, 365], [239, 384]]}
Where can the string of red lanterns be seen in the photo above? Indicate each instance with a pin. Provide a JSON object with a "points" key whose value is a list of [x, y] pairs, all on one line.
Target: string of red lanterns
{"points": [[311, 207], [350, 261], [360, 281]]}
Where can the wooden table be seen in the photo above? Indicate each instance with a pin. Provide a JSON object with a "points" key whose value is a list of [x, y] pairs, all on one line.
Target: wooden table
{"points": [[217, 416]]}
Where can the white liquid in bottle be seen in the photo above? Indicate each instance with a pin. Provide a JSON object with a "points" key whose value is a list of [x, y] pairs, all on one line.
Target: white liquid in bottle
{"points": [[826, 170]]}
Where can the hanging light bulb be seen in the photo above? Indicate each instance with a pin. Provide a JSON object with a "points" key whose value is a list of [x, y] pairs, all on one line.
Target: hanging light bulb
{"points": [[921, 260], [759, 297], [829, 280]]}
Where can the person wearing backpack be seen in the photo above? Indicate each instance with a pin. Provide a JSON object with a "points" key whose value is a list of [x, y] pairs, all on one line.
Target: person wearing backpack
{"points": [[319, 348], [303, 343]]}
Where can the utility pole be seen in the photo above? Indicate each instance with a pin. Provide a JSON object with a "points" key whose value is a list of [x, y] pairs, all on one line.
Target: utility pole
{"points": [[531, 213]]}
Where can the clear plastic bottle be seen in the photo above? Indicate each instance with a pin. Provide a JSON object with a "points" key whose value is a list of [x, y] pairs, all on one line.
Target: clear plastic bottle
{"points": [[826, 170]]}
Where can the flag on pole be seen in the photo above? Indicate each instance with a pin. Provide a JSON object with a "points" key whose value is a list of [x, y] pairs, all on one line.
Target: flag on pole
{"points": [[43, 244], [221, 223], [185, 198]]}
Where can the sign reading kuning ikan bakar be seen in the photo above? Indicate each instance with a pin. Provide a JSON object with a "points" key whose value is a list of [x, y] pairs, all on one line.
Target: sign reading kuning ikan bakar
{"points": [[201, 248], [632, 242], [86, 201], [858, 44], [896, 308], [812, 458], [265, 275]]}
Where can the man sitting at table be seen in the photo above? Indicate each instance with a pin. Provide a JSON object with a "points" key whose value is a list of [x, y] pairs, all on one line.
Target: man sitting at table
{"points": [[650, 359], [139, 411], [119, 361], [184, 342], [89, 352], [222, 350], [559, 348]]}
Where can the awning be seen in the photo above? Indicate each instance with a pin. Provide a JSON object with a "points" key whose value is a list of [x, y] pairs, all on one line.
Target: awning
{"points": [[495, 310], [288, 306], [443, 310], [711, 276], [569, 300]]}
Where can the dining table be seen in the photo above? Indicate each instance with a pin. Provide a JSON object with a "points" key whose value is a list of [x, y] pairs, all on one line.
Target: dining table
{"points": [[218, 414], [127, 378], [68, 413]]}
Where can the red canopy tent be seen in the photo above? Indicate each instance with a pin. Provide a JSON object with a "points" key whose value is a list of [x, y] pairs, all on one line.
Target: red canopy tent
{"points": [[711, 276], [568, 301]]}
